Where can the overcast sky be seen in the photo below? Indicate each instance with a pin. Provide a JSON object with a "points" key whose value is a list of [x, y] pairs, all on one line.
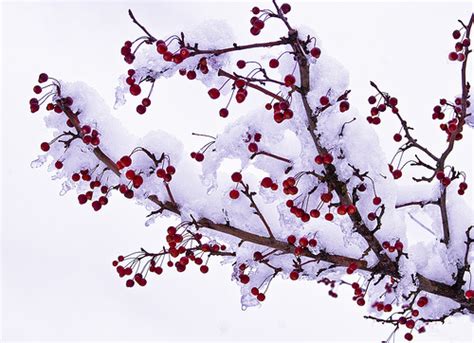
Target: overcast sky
{"points": [[57, 279]]}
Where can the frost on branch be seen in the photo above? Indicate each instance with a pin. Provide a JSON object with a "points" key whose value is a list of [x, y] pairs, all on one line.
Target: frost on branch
{"points": [[313, 198]]}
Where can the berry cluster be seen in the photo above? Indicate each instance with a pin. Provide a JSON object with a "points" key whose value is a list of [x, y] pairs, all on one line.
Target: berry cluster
{"points": [[199, 155], [183, 247], [90, 136], [381, 105], [396, 173], [281, 111], [397, 246], [243, 278], [237, 178], [267, 182], [359, 294], [252, 141], [303, 243], [135, 90], [462, 44], [324, 159], [260, 16], [101, 199]]}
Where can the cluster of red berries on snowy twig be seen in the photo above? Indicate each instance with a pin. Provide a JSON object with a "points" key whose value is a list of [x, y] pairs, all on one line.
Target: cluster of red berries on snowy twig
{"points": [[381, 106], [397, 246], [446, 180], [199, 155], [267, 182], [260, 16], [252, 140], [237, 178], [281, 111], [461, 44], [135, 90], [301, 244], [324, 159], [183, 247]]}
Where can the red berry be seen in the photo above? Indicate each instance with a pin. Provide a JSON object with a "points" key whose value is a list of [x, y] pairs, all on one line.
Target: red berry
{"points": [[126, 161], [261, 297], [137, 181], [410, 323], [141, 109], [253, 147], [236, 177], [398, 245], [341, 210], [274, 63], [446, 181], [294, 275], [96, 205], [408, 336], [344, 106], [329, 216], [45, 146], [255, 10], [254, 31], [244, 278], [326, 197], [324, 100], [327, 159], [259, 24], [82, 198], [214, 93], [267, 182], [58, 164], [351, 209], [453, 56], [423, 301], [285, 8], [191, 75], [397, 174], [397, 137], [291, 239], [289, 80], [184, 53], [372, 100], [315, 52], [135, 89], [393, 101], [146, 102], [223, 112], [199, 157], [377, 201], [43, 77], [241, 64], [456, 34], [234, 194]]}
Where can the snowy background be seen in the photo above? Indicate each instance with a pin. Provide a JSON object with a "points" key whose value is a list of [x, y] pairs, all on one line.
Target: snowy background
{"points": [[57, 278]]}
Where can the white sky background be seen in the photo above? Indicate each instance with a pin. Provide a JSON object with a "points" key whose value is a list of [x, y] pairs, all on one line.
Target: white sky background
{"points": [[57, 278]]}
